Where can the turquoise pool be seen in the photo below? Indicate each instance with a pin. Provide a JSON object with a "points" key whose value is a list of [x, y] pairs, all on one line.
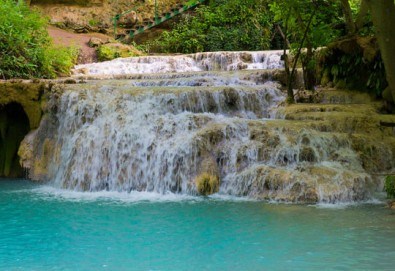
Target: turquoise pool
{"points": [[47, 229]]}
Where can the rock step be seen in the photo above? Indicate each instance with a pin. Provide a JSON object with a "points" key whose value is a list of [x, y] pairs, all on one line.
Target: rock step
{"points": [[346, 118]]}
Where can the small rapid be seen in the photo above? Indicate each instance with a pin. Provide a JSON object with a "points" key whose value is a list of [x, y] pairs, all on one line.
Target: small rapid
{"points": [[212, 61]]}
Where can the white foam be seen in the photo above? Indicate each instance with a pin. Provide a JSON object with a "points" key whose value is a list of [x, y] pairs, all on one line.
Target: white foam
{"points": [[343, 205], [222, 197], [51, 193]]}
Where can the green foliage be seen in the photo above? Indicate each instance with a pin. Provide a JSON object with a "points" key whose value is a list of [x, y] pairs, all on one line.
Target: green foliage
{"points": [[143, 48], [111, 51], [223, 25], [106, 53], [355, 5], [305, 24], [60, 60], [354, 72], [26, 50], [294, 15], [93, 22], [390, 186]]}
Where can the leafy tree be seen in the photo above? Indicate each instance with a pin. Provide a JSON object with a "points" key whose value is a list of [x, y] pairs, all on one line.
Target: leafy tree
{"points": [[26, 50], [307, 24]]}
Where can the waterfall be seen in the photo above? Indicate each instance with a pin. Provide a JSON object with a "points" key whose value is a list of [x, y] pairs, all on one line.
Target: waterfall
{"points": [[176, 117], [113, 136]]}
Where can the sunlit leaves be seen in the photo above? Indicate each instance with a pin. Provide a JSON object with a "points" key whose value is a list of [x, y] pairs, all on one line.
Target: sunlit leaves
{"points": [[25, 46], [223, 25]]}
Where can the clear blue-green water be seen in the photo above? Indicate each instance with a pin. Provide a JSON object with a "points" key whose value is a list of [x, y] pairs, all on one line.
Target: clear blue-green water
{"points": [[46, 229]]}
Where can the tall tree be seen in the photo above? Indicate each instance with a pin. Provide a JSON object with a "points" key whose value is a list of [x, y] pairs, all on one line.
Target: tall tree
{"points": [[307, 25], [383, 17], [350, 25]]}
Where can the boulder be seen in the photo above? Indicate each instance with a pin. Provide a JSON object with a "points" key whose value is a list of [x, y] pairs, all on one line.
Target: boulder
{"points": [[95, 42]]}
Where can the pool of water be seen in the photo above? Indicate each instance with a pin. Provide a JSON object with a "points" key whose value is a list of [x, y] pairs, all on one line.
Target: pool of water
{"points": [[47, 229]]}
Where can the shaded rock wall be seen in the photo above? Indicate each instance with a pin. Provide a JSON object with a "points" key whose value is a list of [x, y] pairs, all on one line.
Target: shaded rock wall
{"points": [[21, 108], [352, 63], [14, 125]]}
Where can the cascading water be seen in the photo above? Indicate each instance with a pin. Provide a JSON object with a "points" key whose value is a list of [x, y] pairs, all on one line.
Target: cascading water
{"points": [[224, 61], [216, 115], [118, 137]]}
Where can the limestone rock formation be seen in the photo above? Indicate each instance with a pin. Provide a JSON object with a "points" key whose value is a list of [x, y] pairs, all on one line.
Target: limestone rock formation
{"points": [[21, 109], [97, 15]]}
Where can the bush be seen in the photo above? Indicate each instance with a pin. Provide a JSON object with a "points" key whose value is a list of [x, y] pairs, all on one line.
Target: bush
{"points": [[26, 50], [111, 51], [390, 186], [231, 25]]}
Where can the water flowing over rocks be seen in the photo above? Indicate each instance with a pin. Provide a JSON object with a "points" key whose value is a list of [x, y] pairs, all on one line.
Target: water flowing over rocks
{"points": [[214, 61], [211, 124]]}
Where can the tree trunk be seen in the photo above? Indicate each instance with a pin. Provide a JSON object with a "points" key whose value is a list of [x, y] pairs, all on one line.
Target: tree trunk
{"points": [[285, 39], [383, 16], [308, 70], [363, 12], [348, 17], [290, 94]]}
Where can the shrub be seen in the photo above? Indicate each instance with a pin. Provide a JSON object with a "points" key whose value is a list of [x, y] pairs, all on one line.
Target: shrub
{"points": [[111, 51], [390, 186], [223, 25], [26, 50], [60, 60]]}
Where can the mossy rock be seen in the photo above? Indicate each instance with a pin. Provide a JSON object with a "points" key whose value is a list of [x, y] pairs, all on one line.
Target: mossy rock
{"points": [[307, 154], [207, 184], [111, 51], [390, 186], [341, 84], [326, 77]]}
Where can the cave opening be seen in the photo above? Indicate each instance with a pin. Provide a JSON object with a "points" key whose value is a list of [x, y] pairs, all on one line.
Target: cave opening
{"points": [[14, 126]]}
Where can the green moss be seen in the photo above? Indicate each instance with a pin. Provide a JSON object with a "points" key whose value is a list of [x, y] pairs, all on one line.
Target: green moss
{"points": [[390, 186], [207, 184], [3, 125], [341, 84], [325, 79]]}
